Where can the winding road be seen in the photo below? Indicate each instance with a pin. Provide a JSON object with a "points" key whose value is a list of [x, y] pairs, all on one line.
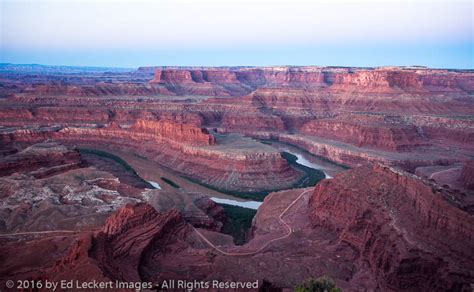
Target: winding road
{"points": [[280, 218], [290, 230], [447, 170]]}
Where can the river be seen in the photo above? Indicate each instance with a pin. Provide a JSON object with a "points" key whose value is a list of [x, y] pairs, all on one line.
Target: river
{"points": [[301, 159], [154, 184], [152, 172], [245, 204]]}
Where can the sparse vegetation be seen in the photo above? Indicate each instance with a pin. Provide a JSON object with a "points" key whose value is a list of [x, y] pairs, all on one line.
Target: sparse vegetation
{"points": [[108, 155], [312, 176], [257, 196], [323, 284], [115, 158], [307, 152], [170, 182], [239, 222]]}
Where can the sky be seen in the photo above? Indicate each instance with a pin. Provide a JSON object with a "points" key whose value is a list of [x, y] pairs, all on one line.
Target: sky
{"points": [[117, 33]]}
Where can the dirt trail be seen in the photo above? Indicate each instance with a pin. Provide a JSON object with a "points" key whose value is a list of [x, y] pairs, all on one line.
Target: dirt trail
{"points": [[290, 230], [280, 218], [38, 232], [447, 170]]}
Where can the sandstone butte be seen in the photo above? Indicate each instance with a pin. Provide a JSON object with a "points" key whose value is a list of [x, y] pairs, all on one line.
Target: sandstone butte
{"points": [[400, 220]]}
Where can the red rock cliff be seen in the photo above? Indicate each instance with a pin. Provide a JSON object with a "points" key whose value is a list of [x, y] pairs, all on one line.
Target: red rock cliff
{"points": [[126, 236], [378, 80], [185, 133], [186, 149], [375, 134], [408, 231], [43, 159]]}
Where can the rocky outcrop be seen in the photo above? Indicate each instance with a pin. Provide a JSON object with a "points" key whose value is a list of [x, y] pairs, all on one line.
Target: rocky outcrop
{"points": [[215, 215], [116, 251], [412, 234], [197, 209], [393, 79], [394, 232], [43, 159], [49, 186], [211, 81], [369, 133], [385, 79], [239, 166], [126, 236], [98, 89], [232, 170], [392, 109], [183, 133], [151, 131]]}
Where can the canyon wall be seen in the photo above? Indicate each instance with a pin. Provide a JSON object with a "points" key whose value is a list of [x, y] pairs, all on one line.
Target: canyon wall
{"points": [[120, 246], [384, 79], [187, 149], [412, 234], [401, 116], [377, 134], [41, 159]]}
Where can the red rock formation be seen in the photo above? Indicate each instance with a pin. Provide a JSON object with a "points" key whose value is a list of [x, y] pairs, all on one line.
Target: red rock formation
{"points": [[117, 250], [239, 122], [154, 131], [77, 264], [41, 159], [369, 133], [184, 148], [412, 235], [197, 209], [96, 89], [127, 234], [429, 106], [393, 232], [184, 133], [171, 75], [212, 82], [49, 186], [375, 80], [215, 215]]}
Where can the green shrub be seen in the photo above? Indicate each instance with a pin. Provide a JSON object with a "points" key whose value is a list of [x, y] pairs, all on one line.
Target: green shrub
{"points": [[312, 176], [108, 155], [170, 182], [117, 159], [239, 222], [323, 284]]}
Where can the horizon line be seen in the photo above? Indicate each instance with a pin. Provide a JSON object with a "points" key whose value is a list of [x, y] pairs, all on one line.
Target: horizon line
{"points": [[420, 67]]}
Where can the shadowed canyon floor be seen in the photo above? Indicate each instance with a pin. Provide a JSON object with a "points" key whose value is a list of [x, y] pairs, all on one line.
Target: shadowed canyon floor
{"points": [[110, 175]]}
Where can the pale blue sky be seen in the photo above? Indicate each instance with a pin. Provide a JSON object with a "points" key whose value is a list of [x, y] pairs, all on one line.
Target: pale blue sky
{"points": [[247, 32]]}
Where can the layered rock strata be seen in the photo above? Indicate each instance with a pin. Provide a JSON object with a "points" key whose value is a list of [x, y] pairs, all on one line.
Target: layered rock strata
{"points": [[41, 160], [241, 166], [395, 232], [412, 234], [48, 186], [390, 109]]}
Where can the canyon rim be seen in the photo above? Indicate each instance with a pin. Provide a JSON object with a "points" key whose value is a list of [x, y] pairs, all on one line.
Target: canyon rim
{"points": [[144, 148]]}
